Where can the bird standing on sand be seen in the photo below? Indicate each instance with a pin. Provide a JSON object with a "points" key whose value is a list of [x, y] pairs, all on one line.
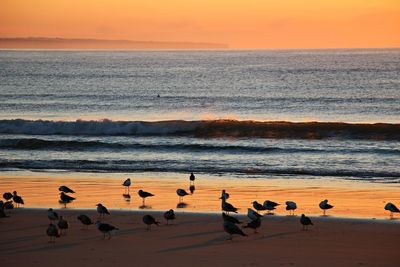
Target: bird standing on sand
{"points": [[66, 189], [144, 195], [169, 215], [257, 206], [291, 206], [7, 196], [270, 205], [181, 193], [127, 184], [226, 217], [227, 206], [232, 229], [85, 220], [62, 225], [192, 178], [106, 229], [2, 212], [325, 206], [8, 205], [253, 215], [52, 232], [305, 221], [254, 224], [52, 215], [392, 208], [224, 194], [149, 220], [17, 199], [102, 210]]}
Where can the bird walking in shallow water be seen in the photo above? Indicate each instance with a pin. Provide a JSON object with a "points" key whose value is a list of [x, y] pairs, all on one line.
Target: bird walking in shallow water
{"points": [[181, 193], [17, 199], [392, 208], [291, 206], [102, 210], [127, 185], [192, 178], [106, 229], [169, 215], [149, 220], [232, 229], [66, 189], [144, 195], [324, 205], [305, 221], [65, 199]]}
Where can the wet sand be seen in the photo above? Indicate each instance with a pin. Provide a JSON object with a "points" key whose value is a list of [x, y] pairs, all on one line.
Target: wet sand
{"points": [[198, 240]]}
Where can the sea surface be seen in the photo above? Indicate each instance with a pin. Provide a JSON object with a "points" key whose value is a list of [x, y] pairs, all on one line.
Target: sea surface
{"points": [[310, 114]]}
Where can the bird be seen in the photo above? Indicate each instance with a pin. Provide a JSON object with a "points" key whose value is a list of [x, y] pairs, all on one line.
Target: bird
{"points": [[106, 229], [62, 225], [227, 206], [181, 193], [65, 199], [143, 195], [52, 232], [291, 206], [232, 229], [2, 212], [102, 210], [392, 208], [270, 205], [253, 215], [52, 215], [7, 196], [257, 206], [85, 220], [127, 184], [17, 199], [254, 224], [66, 189], [325, 206], [305, 221], [149, 220], [224, 194], [192, 188], [169, 215], [8, 205], [226, 217], [192, 178]]}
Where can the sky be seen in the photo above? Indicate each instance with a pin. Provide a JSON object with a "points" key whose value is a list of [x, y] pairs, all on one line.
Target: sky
{"points": [[239, 23]]}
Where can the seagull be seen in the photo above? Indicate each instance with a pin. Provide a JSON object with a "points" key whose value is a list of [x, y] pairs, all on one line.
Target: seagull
{"points": [[66, 189], [192, 177], [149, 220], [325, 206], [2, 212], [232, 229], [392, 208], [52, 232], [105, 228], [227, 206], [305, 221], [62, 225], [270, 205], [85, 220], [169, 215], [254, 224], [144, 194], [257, 206], [8, 205], [181, 193], [226, 217], [127, 184], [224, 194], [191, 189], [253, 215], [52, 215], [17, 199], [291, 206], [65, 199], [7, 196], [102, 210]]}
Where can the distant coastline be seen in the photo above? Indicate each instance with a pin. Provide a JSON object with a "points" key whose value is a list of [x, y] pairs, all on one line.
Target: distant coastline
{"points": [[75, 43]]}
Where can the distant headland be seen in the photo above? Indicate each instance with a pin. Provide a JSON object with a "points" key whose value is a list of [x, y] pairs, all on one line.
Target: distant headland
{"points": [[65, 43]]}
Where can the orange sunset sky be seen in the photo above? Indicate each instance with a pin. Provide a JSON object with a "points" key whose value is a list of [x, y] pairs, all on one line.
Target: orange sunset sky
{"points": [[241, 24]]}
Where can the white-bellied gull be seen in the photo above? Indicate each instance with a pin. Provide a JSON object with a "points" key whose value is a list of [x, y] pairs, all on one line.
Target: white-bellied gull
{"points": [[253, 215], [305, 221], [324, 205], [52, 215], [291, 206], [62, 225], [232, 229], [105, 228], [232, 219], [144, 195], [169, 215], [149, 220], [181, 193], [102, 210], [392, 208], [66, 189]]}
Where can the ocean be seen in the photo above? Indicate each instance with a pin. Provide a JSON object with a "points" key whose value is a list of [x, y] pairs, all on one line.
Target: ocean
{"points": [[287, 114]]}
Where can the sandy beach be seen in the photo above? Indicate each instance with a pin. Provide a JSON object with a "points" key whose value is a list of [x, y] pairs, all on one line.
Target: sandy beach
{"points": [[198, 240]]}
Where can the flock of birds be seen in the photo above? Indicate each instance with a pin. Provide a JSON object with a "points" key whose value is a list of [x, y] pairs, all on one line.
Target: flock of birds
{"points": [[58, 226]]}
